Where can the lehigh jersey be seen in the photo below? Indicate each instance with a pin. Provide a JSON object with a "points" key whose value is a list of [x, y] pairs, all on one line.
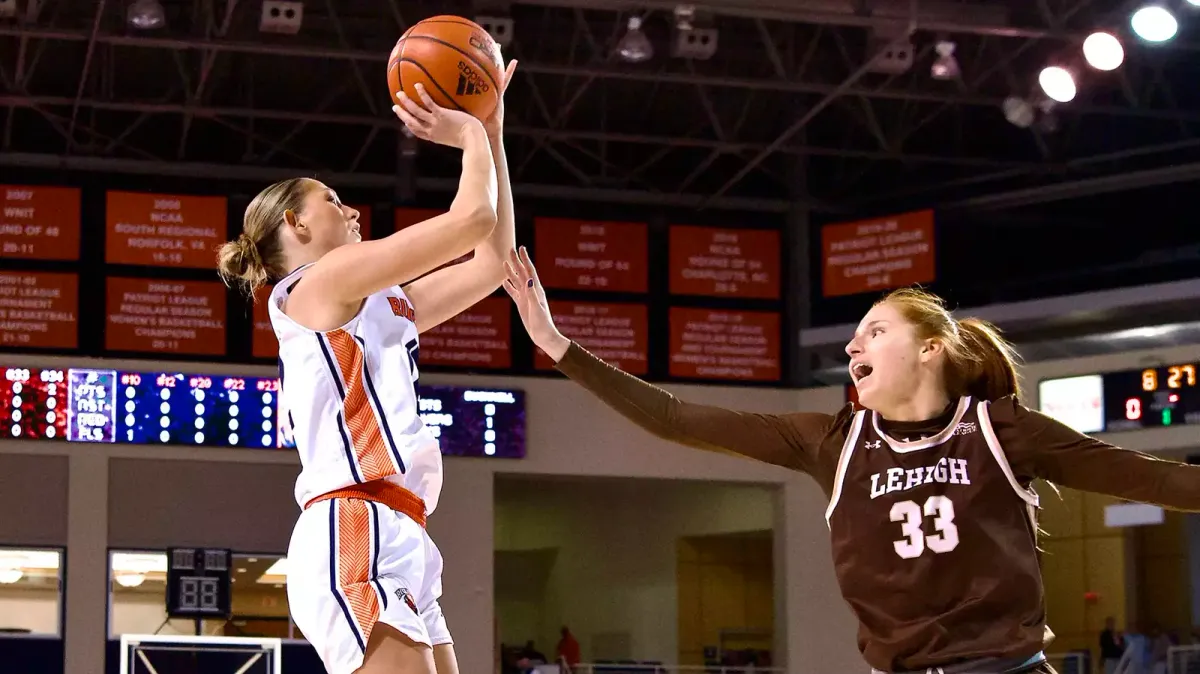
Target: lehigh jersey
{"points": [[350, 397], [934, 542]]}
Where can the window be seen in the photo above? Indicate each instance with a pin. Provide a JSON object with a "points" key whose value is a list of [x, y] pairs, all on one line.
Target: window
{"points": [[30, 592], [138, 585]]}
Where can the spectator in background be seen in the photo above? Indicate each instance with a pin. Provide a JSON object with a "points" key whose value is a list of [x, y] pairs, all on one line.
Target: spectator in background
{"points": [[533, 655], [1112, 646], [568, 649]]}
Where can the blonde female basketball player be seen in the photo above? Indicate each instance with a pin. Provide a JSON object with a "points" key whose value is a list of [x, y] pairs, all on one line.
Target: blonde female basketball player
{"points": [[931, 513], [363, 575]]}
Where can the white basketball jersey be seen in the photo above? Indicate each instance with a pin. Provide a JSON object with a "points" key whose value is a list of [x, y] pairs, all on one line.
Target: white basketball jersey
{"points": [[350, 397]]}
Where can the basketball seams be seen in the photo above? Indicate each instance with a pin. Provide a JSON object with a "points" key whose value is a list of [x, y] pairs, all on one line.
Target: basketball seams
{"points": [[435, 83], [446, 43], [482, 66]]}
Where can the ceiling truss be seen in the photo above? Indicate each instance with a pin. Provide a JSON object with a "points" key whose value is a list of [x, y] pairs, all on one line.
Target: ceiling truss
{"points": [[725, 133]]}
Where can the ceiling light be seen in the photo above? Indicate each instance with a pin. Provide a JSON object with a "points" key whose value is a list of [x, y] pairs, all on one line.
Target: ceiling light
{"points": [[1103, 51], [130, 579], [946, 66], [133, 562], [1018, 112], [1057, 83], [634, 46], [1154, 23], [146, 14]]}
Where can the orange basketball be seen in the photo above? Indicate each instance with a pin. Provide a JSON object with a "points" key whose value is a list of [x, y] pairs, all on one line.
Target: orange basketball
{"points": [[456, 60]]}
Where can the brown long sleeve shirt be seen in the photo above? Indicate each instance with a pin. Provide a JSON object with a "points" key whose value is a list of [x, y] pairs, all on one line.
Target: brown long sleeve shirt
{"points": [[984, 604]]}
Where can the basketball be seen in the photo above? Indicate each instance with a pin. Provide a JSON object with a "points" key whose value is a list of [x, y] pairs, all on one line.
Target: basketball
{"points": [[456, 60]]}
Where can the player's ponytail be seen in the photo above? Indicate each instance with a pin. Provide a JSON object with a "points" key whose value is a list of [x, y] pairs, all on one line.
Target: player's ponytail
{"points": [[255, 258], [979, 361], [989, 370], [239, 262]]}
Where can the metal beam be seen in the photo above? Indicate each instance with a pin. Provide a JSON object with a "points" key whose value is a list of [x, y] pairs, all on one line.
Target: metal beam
{"points": [[1076, 189], [812, 112], [384, 122], [87, 65], [974, 18], [977, 19], [608, 73], [1012, 315], [1076, 164], [263, 174]]}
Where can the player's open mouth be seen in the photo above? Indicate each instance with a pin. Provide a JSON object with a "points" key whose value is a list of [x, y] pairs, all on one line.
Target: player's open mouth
{"points": [[860, 371]]}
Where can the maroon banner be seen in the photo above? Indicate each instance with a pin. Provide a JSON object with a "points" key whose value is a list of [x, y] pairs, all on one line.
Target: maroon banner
{"points": [[591, 255], [617, 333], [476, 338], [713, 344]]}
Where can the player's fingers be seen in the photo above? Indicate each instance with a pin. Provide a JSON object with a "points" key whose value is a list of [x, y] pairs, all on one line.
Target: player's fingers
{"points": [[508, 74], [518, 265], [415, 109], [511, 290], [411, 122], [431, 107], [511, 272], [530, 270]]}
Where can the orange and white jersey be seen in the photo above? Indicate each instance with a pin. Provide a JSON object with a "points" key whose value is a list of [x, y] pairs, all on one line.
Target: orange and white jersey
{"points": [[350, 397]]}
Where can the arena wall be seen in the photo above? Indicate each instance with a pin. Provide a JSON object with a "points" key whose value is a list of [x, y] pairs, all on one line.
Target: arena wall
{"points": [[90, 498]]}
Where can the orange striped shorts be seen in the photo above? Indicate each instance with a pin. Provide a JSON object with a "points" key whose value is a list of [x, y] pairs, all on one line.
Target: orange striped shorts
{"points": [[357, 557]]}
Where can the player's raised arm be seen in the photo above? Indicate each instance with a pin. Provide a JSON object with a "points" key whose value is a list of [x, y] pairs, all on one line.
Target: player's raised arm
{"points": [[1038, 446], [789, 440], [447, 292], [347, 274]]}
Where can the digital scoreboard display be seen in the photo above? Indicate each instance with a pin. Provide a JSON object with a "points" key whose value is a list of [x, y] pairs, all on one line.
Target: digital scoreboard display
{"points": [[34, 404], [198, 583], [466, 421], [179, 408], [1126, 400], [176, 408], [475, 422], [1152, 397]]}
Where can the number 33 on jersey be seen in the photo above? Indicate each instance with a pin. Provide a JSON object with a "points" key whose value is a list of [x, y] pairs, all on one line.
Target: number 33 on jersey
{"points": [[936, 512]]}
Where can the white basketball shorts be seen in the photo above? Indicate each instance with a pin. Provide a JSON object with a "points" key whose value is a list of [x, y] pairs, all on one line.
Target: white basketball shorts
{"points": [[353, 563]]}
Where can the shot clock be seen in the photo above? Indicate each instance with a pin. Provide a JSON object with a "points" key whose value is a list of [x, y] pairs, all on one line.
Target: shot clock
{"points": [[198, 583], [1126, 400]]}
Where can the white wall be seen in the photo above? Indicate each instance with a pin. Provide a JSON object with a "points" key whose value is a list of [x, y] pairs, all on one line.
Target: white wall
{"points": [[569, 433], [30, 608], [613, 546]]}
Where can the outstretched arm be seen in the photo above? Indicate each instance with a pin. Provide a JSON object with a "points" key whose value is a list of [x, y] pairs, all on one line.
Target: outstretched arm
{"points": [[785, 440], [1038, 446], [445, 293], [334, 288]]}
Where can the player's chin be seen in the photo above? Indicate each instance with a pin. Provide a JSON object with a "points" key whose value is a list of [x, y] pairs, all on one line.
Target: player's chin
{"points": [[866, 392]]}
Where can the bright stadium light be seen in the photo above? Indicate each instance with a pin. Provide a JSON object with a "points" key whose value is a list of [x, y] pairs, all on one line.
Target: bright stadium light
{"points": [[1103, 51], [1154, 23], [1057, 83]]}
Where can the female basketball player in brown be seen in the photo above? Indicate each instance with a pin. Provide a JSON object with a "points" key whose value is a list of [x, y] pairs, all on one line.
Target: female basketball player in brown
{"points": [[931, 513], [364, 578]]}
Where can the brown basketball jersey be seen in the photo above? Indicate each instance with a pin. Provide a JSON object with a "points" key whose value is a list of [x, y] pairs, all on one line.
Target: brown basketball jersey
{"points": [[934, 544]]}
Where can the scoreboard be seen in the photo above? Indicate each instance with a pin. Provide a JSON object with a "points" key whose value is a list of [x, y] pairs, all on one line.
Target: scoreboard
{"points": [[1125, 400], [166, 407], [206, 410]]}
